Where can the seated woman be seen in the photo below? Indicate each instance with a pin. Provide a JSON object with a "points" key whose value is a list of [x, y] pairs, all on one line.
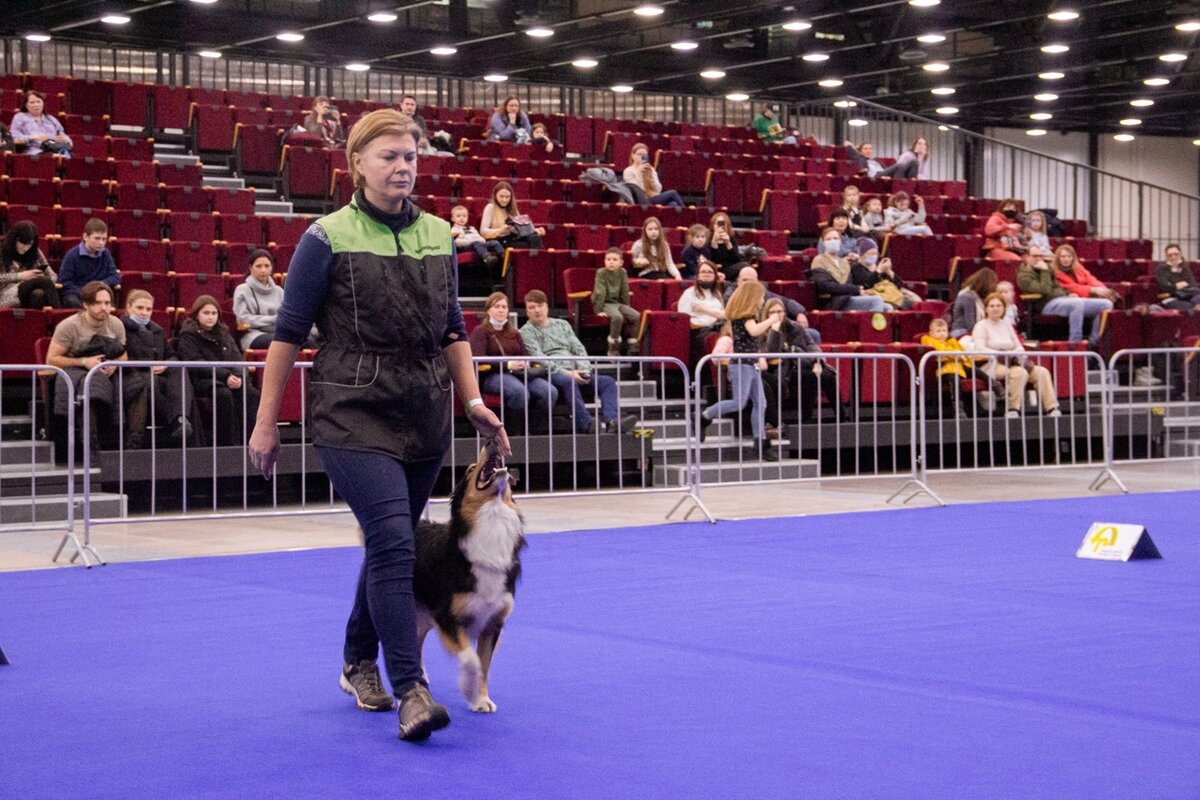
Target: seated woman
{"points": [[256, 302], [39, 132], [641, 172], [1035, 231], [1175, 279], [910, 165], [1004, 238], [786, 336], [877, 276], [651, 255], [968, 303], [831, 277], [517, 382], [509, 123], [324, 121], [913, 163], [994, 334], [905, 220], [26, 279], [231, 392], [703, 304], [170, 410], [746, 332], [543, 145], [502, 221], [724, 250]]}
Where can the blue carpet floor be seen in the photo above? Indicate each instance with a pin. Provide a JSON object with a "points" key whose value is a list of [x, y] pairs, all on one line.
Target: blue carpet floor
{"points": [[957, 652]]}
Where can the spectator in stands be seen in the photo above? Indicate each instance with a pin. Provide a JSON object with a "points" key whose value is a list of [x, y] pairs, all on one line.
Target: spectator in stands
{"points": [[204, 337], [786, 336], [256, 302], [651, 255], [573, 379], [1073, 277], [640, 172], [704, 306], [724, 250], [951, 370], [877, 276], [26, 279], [1174, 278], [863, 156], [517, 381], [851, 202], [541, 141], [509, 123], [408, 107], [503, 222], [831, 277], [697, 248], [39, 132], [769, 130], [6, 139], [795, 309], [905, 220], [1008, 294], [747, 332], [1004, 234], [610, 296], [839, 220], [466, 237], [994, 334], [912, 163], [874, 219], [90, 261], [82, 342], [325, 121], [1035, 231], [145, 340], [968, 303]]}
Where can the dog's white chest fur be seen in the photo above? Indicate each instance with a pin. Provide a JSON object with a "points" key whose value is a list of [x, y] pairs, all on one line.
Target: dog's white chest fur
{"points": [[490, 549]]}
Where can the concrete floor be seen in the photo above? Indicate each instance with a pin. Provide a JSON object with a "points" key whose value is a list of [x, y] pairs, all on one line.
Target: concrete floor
{"points": [[121, 542]]}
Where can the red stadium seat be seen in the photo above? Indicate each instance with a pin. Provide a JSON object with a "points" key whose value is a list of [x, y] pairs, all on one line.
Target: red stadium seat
{"points": [[666, 334], [189, 286], [135, 224], [137, 195], [306, 172], [44, 218], [161, 285], [645, 294], [20, 328], [130, 104], [95, 170], [124, 149], [140, 255], [241, 228], [73, 220], [187, 198], [256, 149], [90, 97], [135, 172], [286, 230], [192, 226], [212, 125], [181, 174], [194, 257], [83, 193], [578, 283], [31, 191], [42, 167], [525, 270], [89, 146], [231, 201]]}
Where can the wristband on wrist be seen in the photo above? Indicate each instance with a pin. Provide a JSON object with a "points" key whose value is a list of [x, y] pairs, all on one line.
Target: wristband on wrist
{"points": [[474, 401]]}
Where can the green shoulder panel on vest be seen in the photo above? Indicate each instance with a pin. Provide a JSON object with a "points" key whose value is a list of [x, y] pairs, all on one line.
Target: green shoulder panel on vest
{"points": [[353, 231]]}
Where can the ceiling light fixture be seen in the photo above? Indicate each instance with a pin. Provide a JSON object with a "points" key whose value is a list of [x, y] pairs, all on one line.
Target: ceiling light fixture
{"points": [[936, 66], [1035, 132], [830, 83], [204, 2], [1063, 15], [931, 38], [943, 90], [539, 32], [622, 88], [495, 77], [858, 123], [797, 25], [288, 36], [684, 45], [943, 128], [1041, 116], [37, 37], [924, 3], [1171, 58], [209, 54], [737, 97], [358, 66], [648, 10], [1196, 142], [1124, 137], [712, 74], [1055, 49], [1156, 81], [1130, 122], [845, 104], [115, 19], [585, 63], [444, 50], [1045, 97], [815, 58], [1141, 102], [383, 16], [946, 110], [1189, 26], [1051, 76]]}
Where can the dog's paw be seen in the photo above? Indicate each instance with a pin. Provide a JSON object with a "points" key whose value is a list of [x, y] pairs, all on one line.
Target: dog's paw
{"points": [[483, 705], [470, 675]]}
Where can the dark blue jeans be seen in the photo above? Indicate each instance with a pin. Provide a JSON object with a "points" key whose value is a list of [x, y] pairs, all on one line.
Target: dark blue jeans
{"points": [[601, 385], [668, 198], [387, 497]]}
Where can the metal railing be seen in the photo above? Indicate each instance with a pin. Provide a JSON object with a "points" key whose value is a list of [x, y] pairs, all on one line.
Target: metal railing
{"points": [[1155, 404]]}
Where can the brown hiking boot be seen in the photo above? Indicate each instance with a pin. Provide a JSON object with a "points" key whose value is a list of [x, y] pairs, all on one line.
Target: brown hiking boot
{"points": [[420, 715], [361, 680]]}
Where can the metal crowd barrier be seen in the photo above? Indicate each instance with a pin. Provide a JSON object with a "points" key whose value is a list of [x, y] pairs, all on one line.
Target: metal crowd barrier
{"points": [[27, 463], [834, 415], [1155, 404]]}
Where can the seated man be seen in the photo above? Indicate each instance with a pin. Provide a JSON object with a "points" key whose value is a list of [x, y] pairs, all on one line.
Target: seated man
{"points": [[172, 403], [1174, 279], [768, 129], [90, 261], [82, 342], [1035, 276], [793, 308], [544, 336]]}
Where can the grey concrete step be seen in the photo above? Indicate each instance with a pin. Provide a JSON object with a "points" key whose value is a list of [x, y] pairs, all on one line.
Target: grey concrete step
{"points": [[785, 469], [25, 452], [1183, 448], [1185, 422], [53, 508], [174, 157], [25, 479], [224, 182], [273, 208]]}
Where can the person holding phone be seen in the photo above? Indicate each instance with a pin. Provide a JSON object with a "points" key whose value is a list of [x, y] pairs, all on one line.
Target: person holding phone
{"points": [[641, 173]]}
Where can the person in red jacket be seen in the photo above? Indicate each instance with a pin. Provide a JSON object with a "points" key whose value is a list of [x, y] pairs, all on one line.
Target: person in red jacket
{"points": [[1003, 233], [1071, 275]]}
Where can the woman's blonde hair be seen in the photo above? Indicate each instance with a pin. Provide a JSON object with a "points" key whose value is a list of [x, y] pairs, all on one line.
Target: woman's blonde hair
{"points": [[655, 252], [744, 302], [1068, 248], [384, 122], [492, 299], [500, 216], [771, 303]]}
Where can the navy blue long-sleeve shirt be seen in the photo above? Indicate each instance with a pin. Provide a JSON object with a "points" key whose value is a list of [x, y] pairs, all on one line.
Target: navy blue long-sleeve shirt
{"points": [[80, 267]]}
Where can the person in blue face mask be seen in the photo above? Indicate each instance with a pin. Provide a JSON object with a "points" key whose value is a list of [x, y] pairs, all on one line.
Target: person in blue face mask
{"points": [[831, 275], [145, 340]]}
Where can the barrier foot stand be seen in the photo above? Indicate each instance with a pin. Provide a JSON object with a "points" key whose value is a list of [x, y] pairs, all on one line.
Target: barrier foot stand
{"points": [[1104, 477], [84, 551], [921, 489], [4, 662], [697, 503]]}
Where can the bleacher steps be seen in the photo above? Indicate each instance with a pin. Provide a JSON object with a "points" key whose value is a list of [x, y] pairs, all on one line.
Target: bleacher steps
{"points": [[223, 182], [53, 508], [1183, 448], [273, 208], [734, 472], [25, 452], [175, 158]]}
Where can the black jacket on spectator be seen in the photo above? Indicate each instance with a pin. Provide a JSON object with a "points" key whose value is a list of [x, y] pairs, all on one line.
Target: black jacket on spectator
{"points": [[195, 344]]}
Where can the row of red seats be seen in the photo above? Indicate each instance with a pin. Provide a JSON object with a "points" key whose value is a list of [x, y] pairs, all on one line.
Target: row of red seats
{"points": [[163, 256], [47, 168], [118, 194]]}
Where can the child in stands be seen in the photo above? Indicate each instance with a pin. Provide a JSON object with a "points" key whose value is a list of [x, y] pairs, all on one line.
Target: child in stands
{"points": [[951, 370], [88, 262], [697, 248], [611, 296], [466, 237]]}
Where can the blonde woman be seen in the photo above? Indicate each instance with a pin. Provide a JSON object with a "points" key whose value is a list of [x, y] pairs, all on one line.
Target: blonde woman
{"points": [[502, 221], [993, 333], [640, 172], [651, 255]]}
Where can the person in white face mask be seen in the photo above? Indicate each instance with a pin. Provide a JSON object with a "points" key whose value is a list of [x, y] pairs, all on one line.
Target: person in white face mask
{"points": [[831, 276]]}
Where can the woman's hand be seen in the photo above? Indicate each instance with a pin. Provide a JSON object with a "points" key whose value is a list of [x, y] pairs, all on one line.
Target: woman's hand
{"points": [[159, 370], [264, 448], [540, 231], [29, 274], [485, 422], [518, 366], [641, 262], [233, 382], [505, 231]]}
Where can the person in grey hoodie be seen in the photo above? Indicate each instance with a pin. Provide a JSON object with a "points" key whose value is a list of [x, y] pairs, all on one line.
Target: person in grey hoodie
{"points": [[256, 302]]}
